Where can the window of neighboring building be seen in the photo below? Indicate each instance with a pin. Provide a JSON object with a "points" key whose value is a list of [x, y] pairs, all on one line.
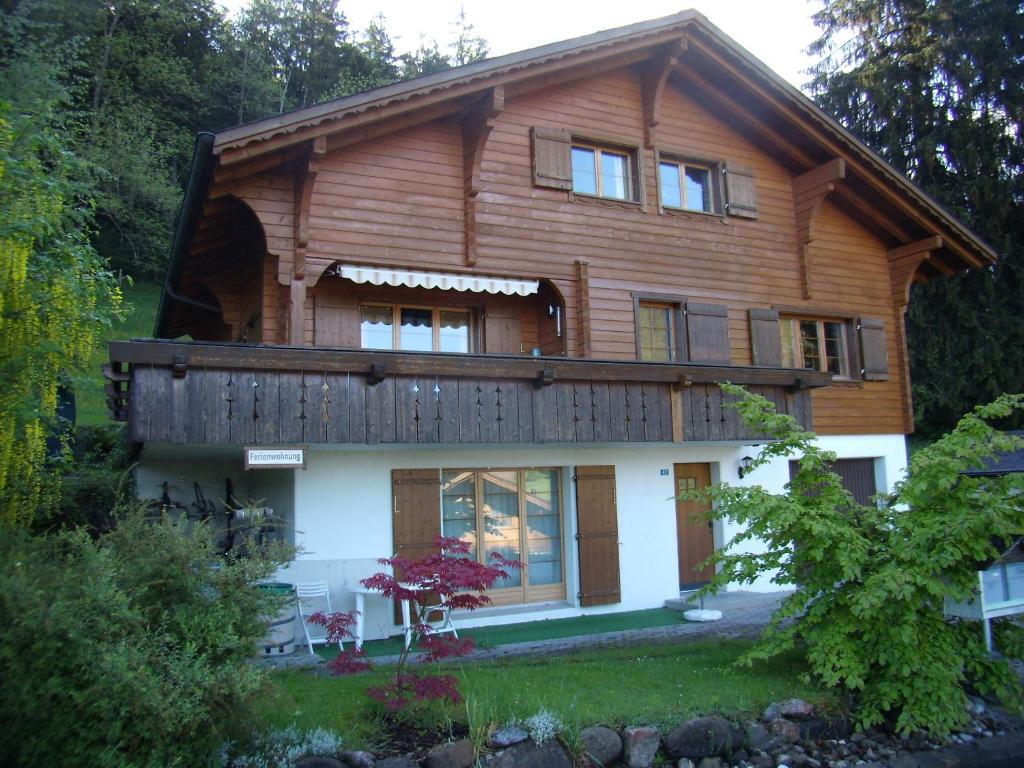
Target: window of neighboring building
{"points": [[516, 513], [687, 186], [415, 329], [815, 345], [603, 172], [656, 329]]}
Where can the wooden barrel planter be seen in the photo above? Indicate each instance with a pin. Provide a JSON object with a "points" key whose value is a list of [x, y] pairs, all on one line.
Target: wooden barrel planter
{"points": [[280, 637]]}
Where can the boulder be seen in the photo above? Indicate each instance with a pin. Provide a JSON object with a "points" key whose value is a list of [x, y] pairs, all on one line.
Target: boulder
{"points": [[358, 759], [507, 736], [527, 754], [395, 762], [602, 745], [639, 745], [457, 754], [710, 762], [797, 709], [685, 762], [318, 762], [784, 730], [712, 736]]}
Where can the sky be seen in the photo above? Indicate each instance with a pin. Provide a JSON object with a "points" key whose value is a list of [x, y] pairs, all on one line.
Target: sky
{"points": [[775, 31]]}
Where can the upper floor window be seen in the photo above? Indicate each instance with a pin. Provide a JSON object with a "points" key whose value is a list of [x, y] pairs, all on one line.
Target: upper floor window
{"points": [[688, 186], [603, 172], [415, 329], [815, 345], [656, 326]]}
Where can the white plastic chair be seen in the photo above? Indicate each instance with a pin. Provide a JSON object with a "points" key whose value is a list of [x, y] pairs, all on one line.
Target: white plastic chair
{"points": [[304, 593], [442, 625]]}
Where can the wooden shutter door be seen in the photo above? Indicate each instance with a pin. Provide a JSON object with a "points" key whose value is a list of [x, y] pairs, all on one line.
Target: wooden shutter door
{"points": [[740, 192], [552, 161], [858, 478], [765, 342], [503, 330], [415, 515], [707, 333], [598, 535], [873, 352]]}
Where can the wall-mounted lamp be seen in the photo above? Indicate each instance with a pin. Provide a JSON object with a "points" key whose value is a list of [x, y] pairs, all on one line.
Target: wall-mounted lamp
{"points": [[555, 311], [745, 464]]}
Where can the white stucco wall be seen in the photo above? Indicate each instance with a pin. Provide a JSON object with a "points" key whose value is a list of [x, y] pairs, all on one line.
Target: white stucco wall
{"points": [[339, 508]]}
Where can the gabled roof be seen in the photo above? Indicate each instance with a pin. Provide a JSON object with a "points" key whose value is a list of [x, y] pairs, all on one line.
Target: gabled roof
{"points": [[1003, 464], [759, 101]]}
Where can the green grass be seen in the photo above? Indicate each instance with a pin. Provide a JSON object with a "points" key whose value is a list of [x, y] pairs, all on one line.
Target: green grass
{"points": [[660, 684], [532, 631], [90, 397]]}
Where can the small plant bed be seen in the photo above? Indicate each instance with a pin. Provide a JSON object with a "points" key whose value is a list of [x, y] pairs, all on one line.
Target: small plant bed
{"points": [[650, 683]]}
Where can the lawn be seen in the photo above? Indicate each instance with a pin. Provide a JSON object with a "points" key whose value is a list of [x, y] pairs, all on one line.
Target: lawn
{"points": [[90, 397], [659, 684]]}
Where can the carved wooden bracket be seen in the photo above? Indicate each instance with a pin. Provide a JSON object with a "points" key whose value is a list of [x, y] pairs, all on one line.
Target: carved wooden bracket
{"points": [[476, 128], [544, 378], [305, 176], [904, 263], [179, 367], [653, 79], [376, 375], [684, 382], [809, 191], [583, 308]]}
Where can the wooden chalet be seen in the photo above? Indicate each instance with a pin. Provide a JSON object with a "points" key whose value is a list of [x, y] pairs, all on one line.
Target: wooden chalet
{"points": [[496, 302]]}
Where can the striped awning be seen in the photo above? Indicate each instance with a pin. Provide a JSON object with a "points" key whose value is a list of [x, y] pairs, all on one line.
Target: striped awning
{"points": [[446, 281]]}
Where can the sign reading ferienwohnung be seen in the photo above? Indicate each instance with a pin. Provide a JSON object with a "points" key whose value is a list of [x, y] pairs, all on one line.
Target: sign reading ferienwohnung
{"points": [[269, 457]]}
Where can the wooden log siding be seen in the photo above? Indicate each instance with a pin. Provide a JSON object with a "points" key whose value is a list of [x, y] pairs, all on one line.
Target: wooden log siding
{"points": [[221, 394]]}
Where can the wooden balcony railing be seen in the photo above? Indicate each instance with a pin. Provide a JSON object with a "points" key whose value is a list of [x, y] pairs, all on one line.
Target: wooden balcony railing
{"points": [[197, 393]]}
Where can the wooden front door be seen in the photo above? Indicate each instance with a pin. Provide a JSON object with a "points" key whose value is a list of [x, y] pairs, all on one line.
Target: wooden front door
{"points": [[695, 539]]}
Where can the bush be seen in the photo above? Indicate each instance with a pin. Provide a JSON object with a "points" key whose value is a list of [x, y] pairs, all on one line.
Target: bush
{"points": [[94, 479], [128, 649], [869, 608], [281, 748]]}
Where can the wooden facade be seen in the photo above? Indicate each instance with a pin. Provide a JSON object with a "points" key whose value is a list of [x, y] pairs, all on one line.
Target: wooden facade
{"points": [[466, 173]]}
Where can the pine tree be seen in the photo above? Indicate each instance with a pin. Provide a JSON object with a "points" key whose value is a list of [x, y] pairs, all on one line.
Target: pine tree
{"points": [[937, 88]]}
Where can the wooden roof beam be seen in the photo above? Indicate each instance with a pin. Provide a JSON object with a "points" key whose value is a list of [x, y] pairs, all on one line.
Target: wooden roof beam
{"points": [[653, 79], [904, 262], [476, 128], [809, 192]]}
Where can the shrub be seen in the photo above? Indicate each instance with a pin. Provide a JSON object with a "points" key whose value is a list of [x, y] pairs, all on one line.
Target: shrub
{"points": [[281, 748], [128, 649], [543, 726], [869, 608]]}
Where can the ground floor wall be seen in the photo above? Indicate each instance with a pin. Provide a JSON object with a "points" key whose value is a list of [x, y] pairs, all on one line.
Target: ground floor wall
{"points": [[338, 510]]}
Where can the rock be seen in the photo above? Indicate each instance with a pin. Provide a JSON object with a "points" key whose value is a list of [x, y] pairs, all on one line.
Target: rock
{"points": [[762, 761], [756, 736], [457, 754], [602, 745], [812, 729], [784, 729], [792, 708], [527, 754], [639, 745], [507, 736], [318, 762], [712, 736], [395, 762], [710, 762], [685, 762], [358, 759]]}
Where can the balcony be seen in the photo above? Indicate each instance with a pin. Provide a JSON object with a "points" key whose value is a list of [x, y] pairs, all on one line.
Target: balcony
{"points": [[237, 394]]}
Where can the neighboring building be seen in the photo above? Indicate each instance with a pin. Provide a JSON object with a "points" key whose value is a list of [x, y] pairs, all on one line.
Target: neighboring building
{"points": [[496, 303]]}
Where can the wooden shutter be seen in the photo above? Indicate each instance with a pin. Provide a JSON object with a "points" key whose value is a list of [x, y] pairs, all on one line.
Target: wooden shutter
{"points": [[707, 333], [552, 157], [740, 192], [873, 353], [765, 342], [503, 331], [858, 478], [598, 535], [335, 321], [415, 515]]}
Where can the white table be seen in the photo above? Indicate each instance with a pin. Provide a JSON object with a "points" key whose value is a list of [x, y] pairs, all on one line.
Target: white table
{"points": [[361, 592]]}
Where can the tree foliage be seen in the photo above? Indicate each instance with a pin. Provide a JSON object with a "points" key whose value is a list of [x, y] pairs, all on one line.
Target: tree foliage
{"points": [[54, 289], [936, 87], [870, 580]]}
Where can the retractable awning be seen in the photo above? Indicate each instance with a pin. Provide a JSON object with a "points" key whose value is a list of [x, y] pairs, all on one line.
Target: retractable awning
{"points": [[445, 281]]}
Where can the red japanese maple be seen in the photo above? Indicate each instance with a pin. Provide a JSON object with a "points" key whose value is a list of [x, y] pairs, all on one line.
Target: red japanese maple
{"points": [[450, 576]]}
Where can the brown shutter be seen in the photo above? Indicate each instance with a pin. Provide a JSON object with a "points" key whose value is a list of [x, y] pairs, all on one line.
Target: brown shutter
{"points": [[740, 192], [765, 342], [552, 158], [598, 535], [415, 515], [707, 333], [335, 321], [858, 478], [873, 353], [503, 331]]}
